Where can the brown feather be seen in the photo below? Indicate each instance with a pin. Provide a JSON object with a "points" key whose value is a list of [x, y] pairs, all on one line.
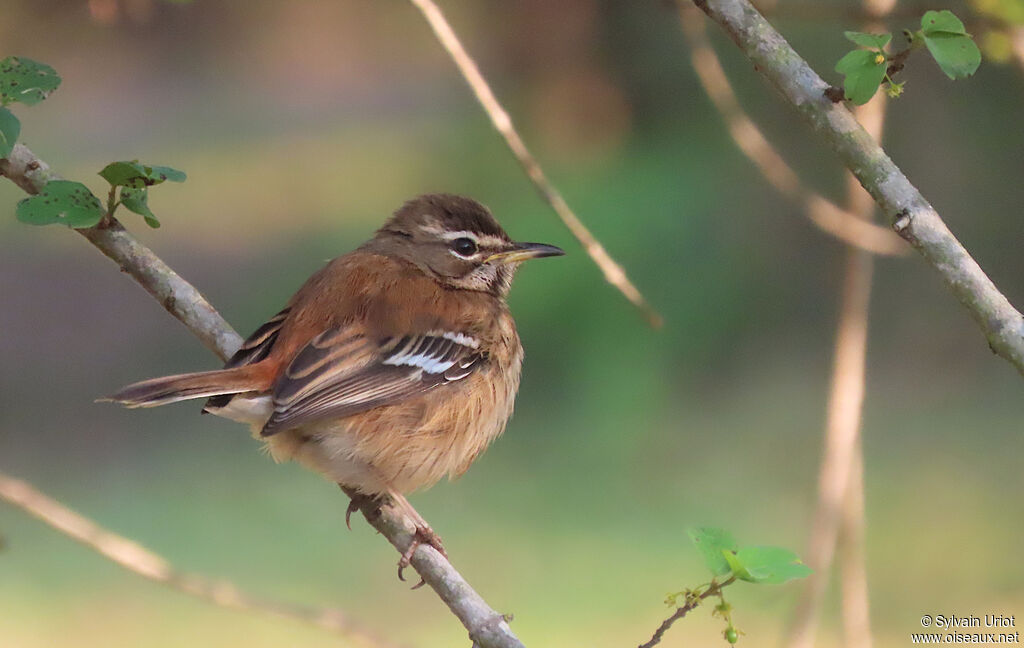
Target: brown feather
{"points": [[171, 389]]}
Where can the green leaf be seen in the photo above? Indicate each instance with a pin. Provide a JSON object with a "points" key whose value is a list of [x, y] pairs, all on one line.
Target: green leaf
{"points": [[137, 200], [957, 54], [711, 543], [10, 128], [942, 22], [160, 173], [25, 80], [876, 41], [136, 175], [64, 202], [735, 565], [863, 71], [770, 565], [124, 174]]}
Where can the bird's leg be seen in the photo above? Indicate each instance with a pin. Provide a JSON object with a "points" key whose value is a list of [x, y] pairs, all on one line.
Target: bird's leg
{"points": [[422, 535]]}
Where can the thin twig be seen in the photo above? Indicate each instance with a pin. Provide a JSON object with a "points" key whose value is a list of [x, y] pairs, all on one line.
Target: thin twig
{"points": [[714, 590], [613, 272], [825, 214], [853, 575], [141, 561], [845, 405], [905, 208], [488, 628]]}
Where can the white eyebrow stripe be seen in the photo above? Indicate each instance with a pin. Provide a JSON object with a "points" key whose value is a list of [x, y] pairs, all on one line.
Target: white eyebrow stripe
{"points": [[485, 239], [493, 241], [451, 236]]}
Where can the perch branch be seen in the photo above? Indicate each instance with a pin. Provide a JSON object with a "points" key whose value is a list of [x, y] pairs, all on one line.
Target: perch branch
{"points": [[487, 628], [143, 562], [613, 272], [823, 213], [907, 211]]}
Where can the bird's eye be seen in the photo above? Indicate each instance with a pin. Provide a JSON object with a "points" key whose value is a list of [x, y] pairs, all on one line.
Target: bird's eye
{"points": [[465, 247]]}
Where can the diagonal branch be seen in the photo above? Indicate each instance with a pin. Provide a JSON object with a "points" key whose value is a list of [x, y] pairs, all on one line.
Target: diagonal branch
{"points": [[486, 627], [179, 297], [906, 209], [613, 272], [143, 562], [825, 214]]}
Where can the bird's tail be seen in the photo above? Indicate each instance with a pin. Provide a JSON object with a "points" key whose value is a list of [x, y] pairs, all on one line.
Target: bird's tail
{"points": [[171, 389]]}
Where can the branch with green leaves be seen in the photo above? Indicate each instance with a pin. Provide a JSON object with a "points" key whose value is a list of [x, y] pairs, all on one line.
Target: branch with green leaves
{"points": [[729, 563], [906, 210], [866, 69]]}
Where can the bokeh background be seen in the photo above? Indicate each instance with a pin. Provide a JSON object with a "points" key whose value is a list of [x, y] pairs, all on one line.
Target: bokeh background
{"points": [[303, 124]]}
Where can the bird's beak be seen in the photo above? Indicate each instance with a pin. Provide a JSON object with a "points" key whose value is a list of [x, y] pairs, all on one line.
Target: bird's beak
{"points": [[524, 251]]}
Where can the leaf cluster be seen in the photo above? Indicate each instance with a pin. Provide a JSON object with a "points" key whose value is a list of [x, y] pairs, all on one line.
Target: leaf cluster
{"points": [[764, 565], [729, 562], [942, 33], [135, 179], [71, 203], [67, 202]]}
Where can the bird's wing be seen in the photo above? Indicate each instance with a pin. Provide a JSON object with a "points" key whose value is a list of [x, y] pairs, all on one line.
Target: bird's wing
{"points": [[342, 372], [255, 348]]}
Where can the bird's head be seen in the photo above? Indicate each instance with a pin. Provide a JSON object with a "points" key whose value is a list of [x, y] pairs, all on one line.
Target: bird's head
{"points": [[456, 241]]}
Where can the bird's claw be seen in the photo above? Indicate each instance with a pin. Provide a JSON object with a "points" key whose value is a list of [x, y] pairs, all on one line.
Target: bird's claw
{"points": [[423, 535], [356, 502], [353, 506]]}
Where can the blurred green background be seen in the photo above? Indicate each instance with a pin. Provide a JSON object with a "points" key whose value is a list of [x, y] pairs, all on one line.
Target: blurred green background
{"points": [[302, 125]]}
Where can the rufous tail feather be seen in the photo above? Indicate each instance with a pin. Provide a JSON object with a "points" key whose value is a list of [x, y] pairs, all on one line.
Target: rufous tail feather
{"points": [[171, 389]]}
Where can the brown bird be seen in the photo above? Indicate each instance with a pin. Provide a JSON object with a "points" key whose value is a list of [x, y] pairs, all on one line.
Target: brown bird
{"points": [[391, 367]]}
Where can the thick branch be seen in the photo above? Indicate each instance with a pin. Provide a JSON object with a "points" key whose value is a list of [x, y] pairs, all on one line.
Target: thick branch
{"points": [[613, 272], [143, 562], [486, 627], [907, 211]]}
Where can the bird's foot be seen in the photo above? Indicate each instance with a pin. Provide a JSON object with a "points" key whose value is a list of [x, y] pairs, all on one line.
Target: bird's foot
{"points": [[356, 502], [423, 535]]}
